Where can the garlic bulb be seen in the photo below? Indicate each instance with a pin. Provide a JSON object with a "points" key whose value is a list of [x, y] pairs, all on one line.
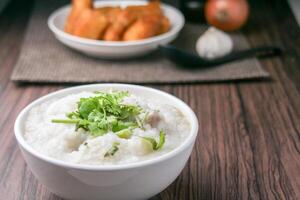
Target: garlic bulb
{"points": [[214, 43]]}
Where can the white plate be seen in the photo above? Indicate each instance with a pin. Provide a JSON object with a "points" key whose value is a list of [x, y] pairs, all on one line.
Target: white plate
{"points": [[108, 49]]}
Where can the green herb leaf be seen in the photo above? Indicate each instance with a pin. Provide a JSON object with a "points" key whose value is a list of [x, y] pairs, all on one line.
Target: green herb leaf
{"points": [[120, 125], [86, 106], [103, 113], [162, 138], [114, 148]]}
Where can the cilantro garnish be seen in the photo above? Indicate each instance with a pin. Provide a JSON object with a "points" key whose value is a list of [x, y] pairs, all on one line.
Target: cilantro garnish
{"points": [[156, 145], [114, 148], [104, 112]]}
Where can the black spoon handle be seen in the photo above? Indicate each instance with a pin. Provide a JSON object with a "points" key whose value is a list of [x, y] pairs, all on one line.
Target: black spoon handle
{"points": [[187, 59], [253, 52]]}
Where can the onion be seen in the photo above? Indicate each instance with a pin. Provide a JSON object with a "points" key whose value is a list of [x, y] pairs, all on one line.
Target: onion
{"points": [[227, 15]]}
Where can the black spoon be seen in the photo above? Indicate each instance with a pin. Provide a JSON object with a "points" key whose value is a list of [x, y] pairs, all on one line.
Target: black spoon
{"points": [[191, 60]]}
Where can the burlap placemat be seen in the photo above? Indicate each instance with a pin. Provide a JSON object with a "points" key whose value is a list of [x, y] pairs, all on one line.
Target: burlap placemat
{"points": [[44, 59]]}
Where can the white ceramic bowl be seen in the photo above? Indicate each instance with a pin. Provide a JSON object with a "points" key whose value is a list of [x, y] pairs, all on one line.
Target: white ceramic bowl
{"points": [[139, 180], [108, 49]]}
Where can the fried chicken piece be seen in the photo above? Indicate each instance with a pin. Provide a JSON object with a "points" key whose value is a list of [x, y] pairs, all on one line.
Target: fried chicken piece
{"points": [[90, 24], [110, 12], [115, 23], [150, 22], [144, 27], [77, 7], [152, 8], [165, 25], [127, 17], [115, 31]]}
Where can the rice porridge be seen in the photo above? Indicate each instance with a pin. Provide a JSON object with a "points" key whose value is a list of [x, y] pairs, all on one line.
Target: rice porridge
{"points": [[104, 128]]}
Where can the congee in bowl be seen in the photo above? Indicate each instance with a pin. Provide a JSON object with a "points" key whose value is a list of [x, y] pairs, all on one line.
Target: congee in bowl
{"points": [[110, 127]]}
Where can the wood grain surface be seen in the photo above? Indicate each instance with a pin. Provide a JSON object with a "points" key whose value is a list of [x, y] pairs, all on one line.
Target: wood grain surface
{"points": [[248, 145]]}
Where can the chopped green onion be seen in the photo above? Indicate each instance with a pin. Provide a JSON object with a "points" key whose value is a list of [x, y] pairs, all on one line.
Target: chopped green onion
{"points": [[114, 148], [156, 145], [145, 118], [125, 133], [65, 121], [139, 123], [162, 138]]}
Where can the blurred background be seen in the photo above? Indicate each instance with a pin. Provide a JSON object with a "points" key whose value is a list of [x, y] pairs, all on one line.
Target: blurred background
{"points": [[249, 110], [192, 7]]}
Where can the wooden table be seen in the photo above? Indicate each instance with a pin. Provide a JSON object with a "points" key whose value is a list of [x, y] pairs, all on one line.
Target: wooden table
{"points": [[249, 138]]}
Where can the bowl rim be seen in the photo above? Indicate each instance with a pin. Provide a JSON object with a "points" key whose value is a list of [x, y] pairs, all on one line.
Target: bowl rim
{"points": [[175, 30], [184, 145]]}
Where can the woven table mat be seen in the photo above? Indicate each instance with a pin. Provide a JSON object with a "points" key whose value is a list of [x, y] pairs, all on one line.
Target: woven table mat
{"points": [[44, 59]]}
